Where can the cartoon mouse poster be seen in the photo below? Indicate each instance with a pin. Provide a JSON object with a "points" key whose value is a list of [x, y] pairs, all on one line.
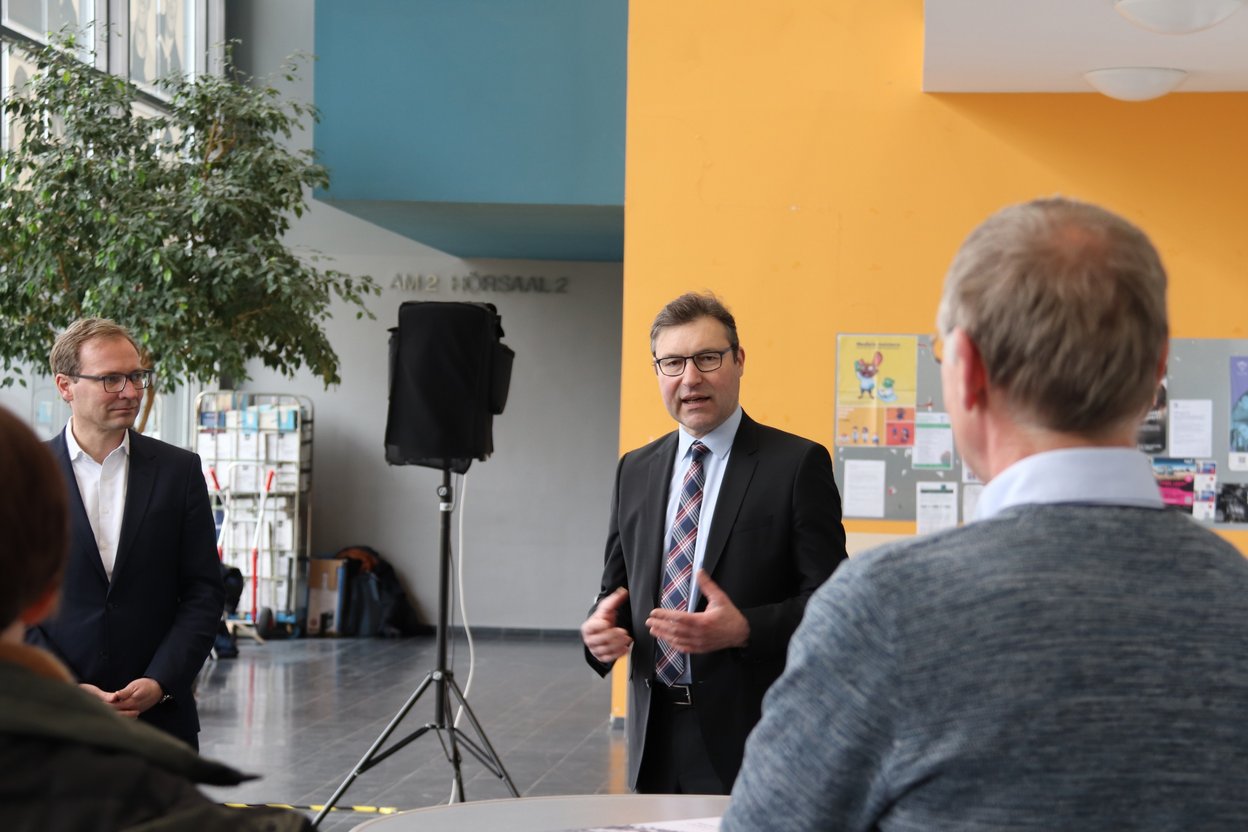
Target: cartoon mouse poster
{"points": [[866, 373], [875, 390]]}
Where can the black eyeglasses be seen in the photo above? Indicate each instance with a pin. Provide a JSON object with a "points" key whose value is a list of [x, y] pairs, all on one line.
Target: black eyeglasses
{"points": [[674, 365], [116, 382]]}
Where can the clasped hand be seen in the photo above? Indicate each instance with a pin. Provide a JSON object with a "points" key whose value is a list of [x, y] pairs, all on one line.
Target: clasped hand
{"points": [[132, 700]]}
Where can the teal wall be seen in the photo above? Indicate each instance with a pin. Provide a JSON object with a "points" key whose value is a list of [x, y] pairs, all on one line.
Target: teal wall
{"points": [[490, 128]]}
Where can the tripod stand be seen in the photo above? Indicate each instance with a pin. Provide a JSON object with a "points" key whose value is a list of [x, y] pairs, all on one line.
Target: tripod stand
{"points": [[443, 682]]}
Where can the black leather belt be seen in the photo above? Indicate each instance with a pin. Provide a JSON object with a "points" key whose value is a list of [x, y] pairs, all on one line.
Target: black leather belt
{"points": [[679, 695]]}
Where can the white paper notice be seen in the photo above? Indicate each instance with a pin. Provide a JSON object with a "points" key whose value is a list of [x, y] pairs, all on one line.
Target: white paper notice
{"points": [[862, 493], [692, 825], [936, 506], [1191, 428], [970, 501], [933, 442]]}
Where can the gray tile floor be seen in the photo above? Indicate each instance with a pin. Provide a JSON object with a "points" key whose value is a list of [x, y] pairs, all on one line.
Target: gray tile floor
{"points": [[302, 713]]}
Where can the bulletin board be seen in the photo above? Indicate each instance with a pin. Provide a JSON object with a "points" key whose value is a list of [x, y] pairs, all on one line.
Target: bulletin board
{"points": [[895, 458]]}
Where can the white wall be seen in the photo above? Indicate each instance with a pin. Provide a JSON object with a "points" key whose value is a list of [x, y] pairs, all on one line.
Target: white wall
{"points": [[536, 512]]}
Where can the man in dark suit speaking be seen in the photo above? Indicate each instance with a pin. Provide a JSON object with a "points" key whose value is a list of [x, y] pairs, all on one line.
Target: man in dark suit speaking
{"points": [[142, 593], [719, 533]]}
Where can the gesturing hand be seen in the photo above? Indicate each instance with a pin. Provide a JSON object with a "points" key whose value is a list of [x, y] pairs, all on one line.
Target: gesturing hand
{"points": [[719, 626], [605, 641]]}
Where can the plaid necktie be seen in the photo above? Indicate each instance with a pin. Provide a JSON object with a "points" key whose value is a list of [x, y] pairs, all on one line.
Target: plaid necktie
{"points": [[678, 568]]}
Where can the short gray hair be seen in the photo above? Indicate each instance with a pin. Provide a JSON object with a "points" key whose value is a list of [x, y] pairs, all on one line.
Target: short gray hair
{"points": [[1066, 303]]}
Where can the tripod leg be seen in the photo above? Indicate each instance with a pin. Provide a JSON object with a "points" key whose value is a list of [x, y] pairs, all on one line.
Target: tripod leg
{"points": [[447, 717], [495, 764], [365, 761]]}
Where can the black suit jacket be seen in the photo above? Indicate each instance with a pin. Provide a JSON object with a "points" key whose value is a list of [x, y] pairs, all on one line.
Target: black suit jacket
{"points": [[159, 615], [775, 537]]}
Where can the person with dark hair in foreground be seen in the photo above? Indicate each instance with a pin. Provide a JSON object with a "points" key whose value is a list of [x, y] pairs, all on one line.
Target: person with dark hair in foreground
{"points": [[69, 760], [1077, 657], [719, 533]]}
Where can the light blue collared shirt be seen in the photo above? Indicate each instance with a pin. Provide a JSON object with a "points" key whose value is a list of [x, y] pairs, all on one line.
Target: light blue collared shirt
{"points": [[1092, 476], [719, 444]]}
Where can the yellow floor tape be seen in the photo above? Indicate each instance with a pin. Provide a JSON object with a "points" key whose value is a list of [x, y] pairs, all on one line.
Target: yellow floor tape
{"points": [[368, 810]]}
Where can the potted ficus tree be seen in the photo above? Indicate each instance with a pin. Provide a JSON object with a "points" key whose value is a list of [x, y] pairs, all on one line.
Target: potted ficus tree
{"points": [[169, 220]]}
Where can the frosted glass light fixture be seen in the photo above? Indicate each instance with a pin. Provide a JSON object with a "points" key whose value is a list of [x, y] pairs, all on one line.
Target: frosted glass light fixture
{"points": [[1177, 17], [1135, 83]]}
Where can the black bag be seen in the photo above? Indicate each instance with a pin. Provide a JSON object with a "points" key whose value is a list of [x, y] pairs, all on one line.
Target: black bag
{"points": [[232, 578], [364, 617], [374, 601]]}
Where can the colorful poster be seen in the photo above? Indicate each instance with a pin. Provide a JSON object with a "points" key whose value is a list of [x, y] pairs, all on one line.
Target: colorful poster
{"points": [[1239, 413], [1187, 485], [876, 388]]}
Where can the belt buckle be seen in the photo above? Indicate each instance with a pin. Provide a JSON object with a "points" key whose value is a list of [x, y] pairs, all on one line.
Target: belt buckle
{"points": [[682, 695]]}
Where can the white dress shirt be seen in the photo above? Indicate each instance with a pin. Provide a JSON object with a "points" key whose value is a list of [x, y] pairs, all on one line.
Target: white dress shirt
{"points": [[1089, 476], [719, 444], [103, 490]]}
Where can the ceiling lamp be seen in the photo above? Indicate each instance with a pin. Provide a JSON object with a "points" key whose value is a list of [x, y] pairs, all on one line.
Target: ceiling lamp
{"points": [[1177, 17], [1135, 83]]}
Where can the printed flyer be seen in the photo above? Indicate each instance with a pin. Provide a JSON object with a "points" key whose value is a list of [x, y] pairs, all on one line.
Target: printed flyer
{"points": [[1239, 414], [876, 389]]}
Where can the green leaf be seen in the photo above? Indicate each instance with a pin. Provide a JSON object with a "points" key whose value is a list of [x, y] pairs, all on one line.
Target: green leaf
{"points": [[178, 238]]}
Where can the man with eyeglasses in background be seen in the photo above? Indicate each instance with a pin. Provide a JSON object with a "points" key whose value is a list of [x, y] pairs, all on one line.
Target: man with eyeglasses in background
{"points": [[720, 531], [142, 592]]}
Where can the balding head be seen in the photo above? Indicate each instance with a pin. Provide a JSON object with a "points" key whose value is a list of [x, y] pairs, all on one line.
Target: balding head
{"points": [[1066, 303]]}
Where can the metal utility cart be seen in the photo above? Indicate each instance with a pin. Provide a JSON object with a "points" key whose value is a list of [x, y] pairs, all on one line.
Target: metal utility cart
{"points": [[256, 450]]}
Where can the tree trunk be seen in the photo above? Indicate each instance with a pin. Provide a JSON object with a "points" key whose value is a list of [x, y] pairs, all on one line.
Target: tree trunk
{"points": [[149, 399]]}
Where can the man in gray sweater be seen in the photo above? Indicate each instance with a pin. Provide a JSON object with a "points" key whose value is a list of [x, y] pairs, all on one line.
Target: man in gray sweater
{"points": [[1077, 657]]}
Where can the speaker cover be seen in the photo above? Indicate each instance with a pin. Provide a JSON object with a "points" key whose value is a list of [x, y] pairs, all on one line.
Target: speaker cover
{"points": [[449, 378]]}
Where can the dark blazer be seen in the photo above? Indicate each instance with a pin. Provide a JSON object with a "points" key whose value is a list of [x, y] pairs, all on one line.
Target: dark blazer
{"points": [[775, 537], [159, 615]]}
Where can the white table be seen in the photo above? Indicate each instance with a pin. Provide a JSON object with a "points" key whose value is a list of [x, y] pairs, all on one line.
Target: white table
{"points": [[549, 814]]}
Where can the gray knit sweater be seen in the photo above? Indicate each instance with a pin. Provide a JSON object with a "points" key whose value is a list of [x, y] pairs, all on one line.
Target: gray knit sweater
{"points": [[1058, 667]]}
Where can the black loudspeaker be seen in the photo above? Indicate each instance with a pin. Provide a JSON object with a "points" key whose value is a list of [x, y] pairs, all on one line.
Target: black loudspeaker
{"points": [[449, 378]]}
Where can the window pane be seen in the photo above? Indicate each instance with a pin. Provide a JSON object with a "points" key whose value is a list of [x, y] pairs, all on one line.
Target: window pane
{"points": [[65, 14], [160, 34], [43, 16], [38, 18], [173, 37], [17, 71], [143, 41], [28, 13]]}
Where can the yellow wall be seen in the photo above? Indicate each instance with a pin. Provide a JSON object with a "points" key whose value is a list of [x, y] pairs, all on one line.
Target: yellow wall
{"points": [[783, 155]]}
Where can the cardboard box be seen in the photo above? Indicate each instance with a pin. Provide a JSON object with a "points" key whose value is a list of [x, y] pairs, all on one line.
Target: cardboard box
{"points": [[323, 595], [246, 478], [249, 446], [226, 446]]}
